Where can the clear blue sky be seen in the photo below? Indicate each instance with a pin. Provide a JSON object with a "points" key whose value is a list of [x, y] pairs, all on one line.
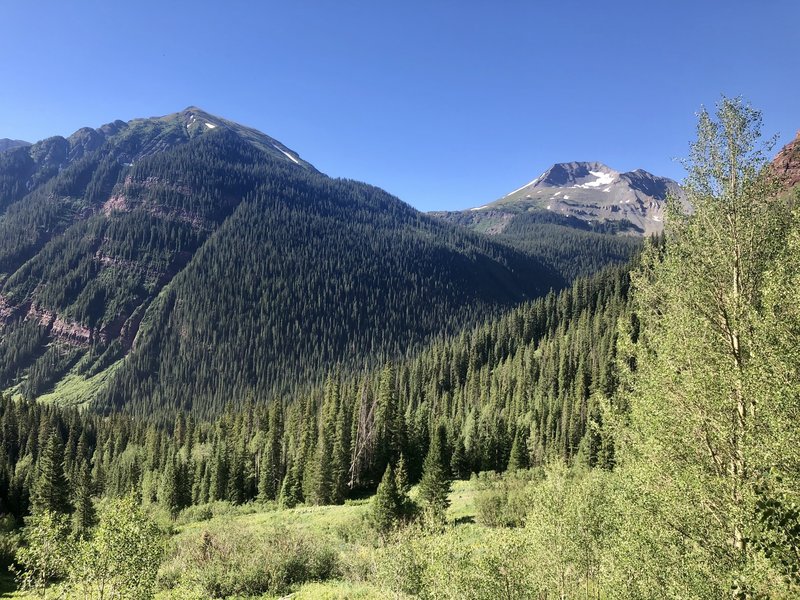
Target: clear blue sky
{"points": [[444, 104]]}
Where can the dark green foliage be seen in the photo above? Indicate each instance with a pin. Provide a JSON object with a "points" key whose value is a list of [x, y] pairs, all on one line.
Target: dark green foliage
{"points": [[84, 516], [50, 491], [538, 375], [571, 246], [519, 456], [205, 247], [434, 487], [387, 505]]}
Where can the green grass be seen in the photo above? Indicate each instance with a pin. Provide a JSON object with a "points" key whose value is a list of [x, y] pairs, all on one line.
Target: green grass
{"points": [[8, 588], [462, 502], [76, 390], [343, 525], [338, 590], [318, 520]]}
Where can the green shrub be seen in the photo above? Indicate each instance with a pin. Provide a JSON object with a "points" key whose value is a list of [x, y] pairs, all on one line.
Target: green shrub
{"points": [[10, 541], [505, 502], [235, 560]]}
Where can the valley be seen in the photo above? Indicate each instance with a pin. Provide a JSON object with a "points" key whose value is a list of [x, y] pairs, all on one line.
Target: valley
{"points": [[228, 375]]}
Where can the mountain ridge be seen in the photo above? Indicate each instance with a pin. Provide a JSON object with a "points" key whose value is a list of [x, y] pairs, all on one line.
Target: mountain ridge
{"points": [[593, 192], [137, 257], [8, 144]]}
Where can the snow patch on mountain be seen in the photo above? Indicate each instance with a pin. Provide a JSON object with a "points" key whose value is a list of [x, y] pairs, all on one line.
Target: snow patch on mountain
{"points": [[289, 156]]}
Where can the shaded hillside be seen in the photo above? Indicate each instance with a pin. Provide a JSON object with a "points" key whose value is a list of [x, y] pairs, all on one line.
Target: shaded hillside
{"points": [[570, 246], [138, 258], [7, 144]]}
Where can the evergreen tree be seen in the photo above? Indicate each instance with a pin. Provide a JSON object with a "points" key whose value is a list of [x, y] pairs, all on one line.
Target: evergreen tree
{"points": [[290, 495], [83, 519], [270, 474], [50, 490], [340, 461], [434, 487], [459, 466], [401, 476], [387, 505], [519, 456], [169, 493]]}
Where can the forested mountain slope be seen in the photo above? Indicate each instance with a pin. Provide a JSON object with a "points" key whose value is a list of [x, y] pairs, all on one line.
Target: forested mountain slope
{"points": [[138, 258], [515, 391], [577, 216]]}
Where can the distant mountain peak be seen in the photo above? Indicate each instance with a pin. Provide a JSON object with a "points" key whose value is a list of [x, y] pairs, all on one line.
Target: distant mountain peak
{"points": [[7, 144], [593, 192]]}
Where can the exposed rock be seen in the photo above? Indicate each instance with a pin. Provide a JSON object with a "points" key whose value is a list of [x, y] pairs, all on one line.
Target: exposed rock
{"points": [[787, 162], [589, 191]]}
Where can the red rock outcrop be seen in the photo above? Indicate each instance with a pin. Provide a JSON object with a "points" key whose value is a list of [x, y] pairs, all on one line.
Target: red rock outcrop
{"points": [[787, 162]]}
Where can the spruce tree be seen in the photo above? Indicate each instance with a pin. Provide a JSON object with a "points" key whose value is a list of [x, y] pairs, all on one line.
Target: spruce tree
{"points": [[50, 490], [458, 462], [387, 505], [341, 455], [518, 458], [84, 516], [434, 487], [401, 475], [169, 495], [269, 477], [290, 495]]}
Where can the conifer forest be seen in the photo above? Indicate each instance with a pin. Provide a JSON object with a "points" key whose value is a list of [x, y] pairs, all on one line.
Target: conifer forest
{"points": [[225, 374]]}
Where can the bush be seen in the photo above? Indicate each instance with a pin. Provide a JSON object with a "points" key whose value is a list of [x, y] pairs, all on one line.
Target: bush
{"points": [[122, 556], [10, 541], [505, 502], [45, 557], [237, 561], [220, 508], [462, 562]]}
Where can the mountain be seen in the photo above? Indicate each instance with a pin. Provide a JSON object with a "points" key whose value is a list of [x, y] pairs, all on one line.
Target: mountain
{"points": [[631, 202], [138, 258], [572, 215], [787, 162], [7, 144]]}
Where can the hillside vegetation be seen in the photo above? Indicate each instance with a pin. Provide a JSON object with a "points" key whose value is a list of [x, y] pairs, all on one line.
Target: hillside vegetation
{"points": [[631, 436]]}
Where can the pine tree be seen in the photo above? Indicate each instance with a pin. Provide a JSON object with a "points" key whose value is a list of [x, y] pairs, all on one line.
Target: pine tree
{"points": [[387, 505], [434, 487], [459, 467], [290, 495], [387, 418], [518, 458], [270, 475], [84, 517], [341, 454], [50, 490], [401, 476], [169, 494]]}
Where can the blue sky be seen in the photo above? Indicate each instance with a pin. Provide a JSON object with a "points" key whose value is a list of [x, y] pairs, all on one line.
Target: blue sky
{"points": [[445, 104]]}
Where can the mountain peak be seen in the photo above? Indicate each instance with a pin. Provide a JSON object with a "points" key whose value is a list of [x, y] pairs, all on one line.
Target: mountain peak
{"points": [[7, 144], [593, 192], [581, 174]]}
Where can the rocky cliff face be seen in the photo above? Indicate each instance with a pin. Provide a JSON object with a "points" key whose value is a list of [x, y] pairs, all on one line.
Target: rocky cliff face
{"points": [[787, 162]]}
